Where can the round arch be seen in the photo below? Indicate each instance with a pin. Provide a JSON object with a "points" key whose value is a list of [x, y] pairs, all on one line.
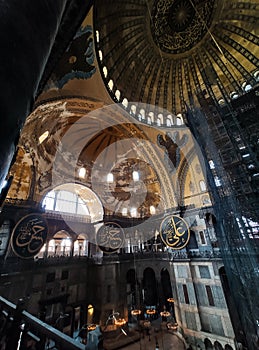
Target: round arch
{"points": [[228, 347], [60, 244], [81, 245], [74, 198], [218, 346], [150, 287], [208, 344]]}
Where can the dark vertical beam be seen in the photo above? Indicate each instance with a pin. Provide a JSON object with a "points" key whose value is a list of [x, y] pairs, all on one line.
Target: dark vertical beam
{"points": [[32, 36]]}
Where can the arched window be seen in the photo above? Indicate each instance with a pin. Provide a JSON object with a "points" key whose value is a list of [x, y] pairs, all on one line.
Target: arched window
{"points": [[66, 202], [5, 231], [179, 119], [124, 211], [142, 113], [169, 120], [133, 109], [60, 244], [74, 199], [233, 95], [125, 102], [82, 172], [246, 86], [152, 210], [110, 178], [203, 186], [256, 75], [160, 119], [218, 346], [97, 36], [81, 245], [217, 181], [151, 116], [105, 72], [110, 84], [133, 212], [118, 94], [221, 102], [211, 164]]}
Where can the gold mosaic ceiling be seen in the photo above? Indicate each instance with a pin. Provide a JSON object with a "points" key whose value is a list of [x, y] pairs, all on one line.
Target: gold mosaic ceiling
{"points": [[166, 52]]}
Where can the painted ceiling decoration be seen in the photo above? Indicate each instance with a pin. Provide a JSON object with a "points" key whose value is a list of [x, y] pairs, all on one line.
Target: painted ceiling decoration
{"points": [[78, 60], [166, 53], [149, 166], [179, 25]]}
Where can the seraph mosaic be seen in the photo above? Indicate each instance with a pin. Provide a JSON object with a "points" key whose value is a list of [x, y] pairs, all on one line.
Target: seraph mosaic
{"points": [[78, 60]]}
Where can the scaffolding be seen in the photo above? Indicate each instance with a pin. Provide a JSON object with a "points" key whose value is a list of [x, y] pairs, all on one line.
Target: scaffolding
{"points": [[227, 137]]}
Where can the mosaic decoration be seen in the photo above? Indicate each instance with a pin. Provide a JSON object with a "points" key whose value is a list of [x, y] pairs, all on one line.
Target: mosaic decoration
{"points": [[179, 25], [174, 232], [170, 52], [110, 237], [78, 60], [29, 236], [171, 144]]}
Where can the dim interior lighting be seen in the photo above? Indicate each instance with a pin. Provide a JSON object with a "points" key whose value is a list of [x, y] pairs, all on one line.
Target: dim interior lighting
{"points": [[165, 313], [152, 210], [82, 172], [119, 321], [91, 327], [109, 177], [90, 310], [151, 311], [135, 312], [133, 212], [124, 211], [172, 326], [170, 300], [43, 136], [135, 175]]}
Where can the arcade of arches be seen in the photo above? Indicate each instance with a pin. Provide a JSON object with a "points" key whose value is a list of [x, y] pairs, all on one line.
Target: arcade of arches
{"points": [[129, 214]]}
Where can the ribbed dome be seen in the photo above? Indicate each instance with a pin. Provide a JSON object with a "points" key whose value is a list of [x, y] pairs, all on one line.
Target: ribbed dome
{"points": [[166, 52]]}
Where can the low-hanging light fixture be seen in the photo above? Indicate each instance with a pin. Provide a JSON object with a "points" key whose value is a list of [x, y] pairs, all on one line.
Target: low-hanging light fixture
{"points": [[170, 300], [135, 312], [150, 311], [91, 327], [120, 322], [165, 313]]}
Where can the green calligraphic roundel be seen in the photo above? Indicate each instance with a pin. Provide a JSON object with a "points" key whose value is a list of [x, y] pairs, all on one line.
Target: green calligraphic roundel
{"points": [[174, 232], [29, 236], [110, 237]]}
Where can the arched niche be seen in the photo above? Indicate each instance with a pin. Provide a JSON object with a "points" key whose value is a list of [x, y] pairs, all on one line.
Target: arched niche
{"points": [[208, 344], [150, 287]]}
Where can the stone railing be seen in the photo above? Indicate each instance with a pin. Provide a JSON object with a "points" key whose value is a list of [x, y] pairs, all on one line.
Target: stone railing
{"points": [[21, 330]]}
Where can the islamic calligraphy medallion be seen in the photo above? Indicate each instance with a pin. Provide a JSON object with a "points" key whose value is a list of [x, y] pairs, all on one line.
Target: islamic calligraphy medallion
{"points": [[174, 232], [178, 25], [29, 236], [110, 237]]}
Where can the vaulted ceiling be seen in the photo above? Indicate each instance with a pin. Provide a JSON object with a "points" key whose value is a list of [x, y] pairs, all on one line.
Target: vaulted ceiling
{"points": [[166, 52]]}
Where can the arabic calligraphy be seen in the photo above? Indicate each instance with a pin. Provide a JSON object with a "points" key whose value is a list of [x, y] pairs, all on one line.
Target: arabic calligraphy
{"points": [[174, 232], [29, 235], [176, 25], [110, 237]]}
